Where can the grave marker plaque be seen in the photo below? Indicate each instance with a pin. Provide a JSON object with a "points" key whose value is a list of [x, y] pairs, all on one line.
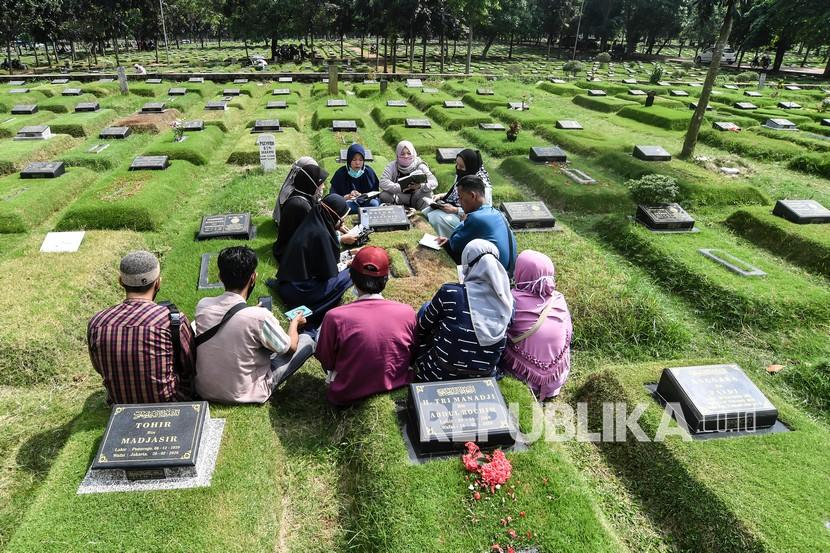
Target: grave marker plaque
{"points": [[97, 148], [579, 177], [177, 91], [263, 125], [518, 106], [267, 152], [802, 212], [387, 217], [746, 105], [443, 416], [230, 92], [568, 124], [426, 90], [153, 81], [368, 157], [59, 81], [150, 163], [557, 81], [280, 104], [34, 132], [414, 83], [447, 155], [693, 106], [196, 80], [716, 398], [336, 103], [285, 80], [792, 87], [453, 104], [825, 122], [484, 91], [86, 107], [17, 83], [630, 81], [636, 92], [678, 93], [71, 92], [725, 126], [734, 264], [24, 109], [204, 272], [236, 226], [491, 126], [664, 217], [752, 93], [651, 153], [418, 124], [344, 126], [780, 124], [216, 105], [543, 154], [43, 170], [194, 125], [280, 92], [525, 215], [395, 103], [240, 81], [789, 105], [597, 92], [19, 91], [115, 132], [152, 107]]}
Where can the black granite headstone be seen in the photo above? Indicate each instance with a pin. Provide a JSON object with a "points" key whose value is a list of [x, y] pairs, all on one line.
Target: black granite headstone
{"points": [[664, 217], [491, 126], [636, 92], [780, 124], [443, 416], [678, 93], [59, 81], [596, 92], [543, 154], [280, 104], [265, 125], [789, 105], [523, 215], [152, 436], [34, 132], [418, 124], [630, 81], [792, 87], [19, 91], [369, 155], [746, 105], [802, 212], [336, 103], [716, 398], [396, 103], [568, 124], [240, 81], [387, 217], [344, 126], [153, 81], [231, 92], [651, 153], [194, 125], [43, 170], [196, 80], [71, 92], [484, 91], [414, 83], [115, 132], [752, 93], [453, 104], [725, 126], [150, 163], [447, 155], [693, 106], [281, 92], [153, 107], [177, 91], [85, 107], [518, 106], [216, 105], [227, 225], [24, 109]]}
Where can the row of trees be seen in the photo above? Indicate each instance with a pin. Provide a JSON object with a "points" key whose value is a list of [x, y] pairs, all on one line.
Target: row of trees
{"points": [[623, 26]]}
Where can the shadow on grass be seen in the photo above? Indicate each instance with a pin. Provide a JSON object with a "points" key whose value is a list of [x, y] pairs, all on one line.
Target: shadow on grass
{"points": [[685, 510]]}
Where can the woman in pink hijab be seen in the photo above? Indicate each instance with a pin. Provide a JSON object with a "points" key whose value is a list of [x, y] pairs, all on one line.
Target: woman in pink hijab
{"points": [[538, 348]]}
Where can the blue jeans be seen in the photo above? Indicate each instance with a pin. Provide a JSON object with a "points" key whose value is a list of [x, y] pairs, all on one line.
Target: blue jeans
{"points": [[354, 207]]}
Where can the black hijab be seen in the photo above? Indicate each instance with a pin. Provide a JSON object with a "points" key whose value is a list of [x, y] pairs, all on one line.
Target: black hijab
{"points": [[306, 181], [472, 162], [314, 251]]}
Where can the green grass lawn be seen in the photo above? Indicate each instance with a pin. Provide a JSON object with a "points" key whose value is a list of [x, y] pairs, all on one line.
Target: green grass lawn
{"points": [[16, 154]]}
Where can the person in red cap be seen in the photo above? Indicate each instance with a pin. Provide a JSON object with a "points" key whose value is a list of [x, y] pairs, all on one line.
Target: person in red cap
{"points": [[366, 346]]}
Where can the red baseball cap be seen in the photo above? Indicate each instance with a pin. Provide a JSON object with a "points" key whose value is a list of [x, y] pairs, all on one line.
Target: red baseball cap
{"points": [[371, 261]]}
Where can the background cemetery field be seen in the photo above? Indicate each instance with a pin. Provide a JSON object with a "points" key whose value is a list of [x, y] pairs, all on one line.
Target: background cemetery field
{"points": [[297, 475]]}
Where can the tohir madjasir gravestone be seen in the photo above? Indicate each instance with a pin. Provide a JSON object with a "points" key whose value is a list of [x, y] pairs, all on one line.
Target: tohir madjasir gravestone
{"points": [[802, 212], [528, 215], [664, 217], [715, 399], [443, 416], [155, 446], [227, 226], [388, 217]]}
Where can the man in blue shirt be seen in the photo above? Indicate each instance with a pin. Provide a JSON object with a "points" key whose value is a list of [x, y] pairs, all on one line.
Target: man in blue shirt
{"points": [[481, 221]]}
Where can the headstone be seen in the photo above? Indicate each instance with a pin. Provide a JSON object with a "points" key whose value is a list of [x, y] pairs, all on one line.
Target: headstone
{"points": [[152, 107], [651, 153], [333, 79], [235, 226], [518, 106], [16, 83], [746, 105], [664, 217], [484, 91], [384, 86], [678, 93], [62, 242], [802, 212], [630, 81], [267, 152], [731, 87], [178, 91], [71, 92], [285, 80], [418, 123], [557, 81], [149, 163], [240, 81], [414, 83], [231, 92], [663, 83], [734, 264], [523, 215], [368, 157], [19, 91], [123, 86], [443, 416], [193, 126], [596, 92], [336, 103], [87, 107], [197, 80], [637, 92], [216, 105], [153, 81], [43, 170], [792, 87], [427, 90], [447, 155], [59, 81], [280, 104], [395, 103], [696, 85], [789, 105], [825, 122], [97, 148], [568, 124], [491, 126], [579, 177], [370, 81], [725, 126], [453, 104], [693, 106], [716, 398], [387, 217], [204, 272], [115, 132], [544, 154], [34, 132], [780, 124], [24, 109], [344, 126], [262, 125], [752, 93], [281, 92]]}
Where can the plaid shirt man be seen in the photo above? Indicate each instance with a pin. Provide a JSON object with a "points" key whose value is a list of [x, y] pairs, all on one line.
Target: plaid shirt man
{"points": [[130, 347]]}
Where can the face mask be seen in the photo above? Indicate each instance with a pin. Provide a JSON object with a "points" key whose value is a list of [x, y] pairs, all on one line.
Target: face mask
{"points": [[405, 161], [460, 173], [356, 174]]}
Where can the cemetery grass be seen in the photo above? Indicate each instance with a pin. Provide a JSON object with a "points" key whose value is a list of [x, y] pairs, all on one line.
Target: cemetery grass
{"points": [[16, 154], [117, 151]]}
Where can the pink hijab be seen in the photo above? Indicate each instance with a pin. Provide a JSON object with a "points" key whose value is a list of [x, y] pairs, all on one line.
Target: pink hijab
{"points": [[542, 360]]}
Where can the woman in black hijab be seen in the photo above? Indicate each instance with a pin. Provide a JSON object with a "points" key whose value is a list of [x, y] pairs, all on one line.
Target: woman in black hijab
{"points": [[307, 181], [446, 217], [308, 272]]}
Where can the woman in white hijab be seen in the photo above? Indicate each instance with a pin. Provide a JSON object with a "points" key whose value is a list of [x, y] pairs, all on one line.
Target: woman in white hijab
{"points": [[398, 183], [462, 331]]}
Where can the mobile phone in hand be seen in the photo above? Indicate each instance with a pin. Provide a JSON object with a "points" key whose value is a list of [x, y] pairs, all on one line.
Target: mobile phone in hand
{"points": [[267, 302], [302, 310]]}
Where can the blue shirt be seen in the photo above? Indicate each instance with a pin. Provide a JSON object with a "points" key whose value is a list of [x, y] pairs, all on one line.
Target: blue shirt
{"points": [[488, 224]]}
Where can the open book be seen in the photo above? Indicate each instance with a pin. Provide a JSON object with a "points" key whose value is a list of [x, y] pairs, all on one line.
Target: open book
{"points": [[412, 180], [430, 241]]}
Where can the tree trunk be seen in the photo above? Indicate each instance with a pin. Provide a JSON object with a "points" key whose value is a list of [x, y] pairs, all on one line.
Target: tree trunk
{"points": [[697, 119], [662, 46], [9, 56], [55, 49], [361, 46], [780, 50], [454, 48], [826, 74], [804, 59], [741, 58], [34, 51], [442, 40], [550, 39], [487, 46], [341, 44], [117, 55], [156, 43], [424, 54], [386, 54], [394, 54], [72, 49], [377, 52], [469, 49], [680, 50], [245, 43], [273, 48], [510, 50]]}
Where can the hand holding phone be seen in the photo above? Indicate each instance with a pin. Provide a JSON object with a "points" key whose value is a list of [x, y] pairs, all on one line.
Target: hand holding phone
{"points": [[302, 310]]}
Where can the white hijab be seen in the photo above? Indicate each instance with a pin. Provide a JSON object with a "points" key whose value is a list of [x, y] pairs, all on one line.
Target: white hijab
{"points": [[416, 161], [288, 185], [488, 291]]}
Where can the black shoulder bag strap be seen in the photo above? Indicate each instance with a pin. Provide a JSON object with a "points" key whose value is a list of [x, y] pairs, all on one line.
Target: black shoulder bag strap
{"points": [[211, 332], [175, 333]]}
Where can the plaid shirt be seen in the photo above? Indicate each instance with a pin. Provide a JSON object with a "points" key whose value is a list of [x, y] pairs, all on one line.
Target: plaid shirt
{"points": [[130, 347]]}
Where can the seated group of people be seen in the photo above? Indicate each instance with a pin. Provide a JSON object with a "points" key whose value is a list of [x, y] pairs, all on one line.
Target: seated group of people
{"points": [[233, 353]]}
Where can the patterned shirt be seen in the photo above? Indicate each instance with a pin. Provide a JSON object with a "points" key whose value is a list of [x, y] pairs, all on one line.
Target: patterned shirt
{"points": [[449, 348], [130, 347]]}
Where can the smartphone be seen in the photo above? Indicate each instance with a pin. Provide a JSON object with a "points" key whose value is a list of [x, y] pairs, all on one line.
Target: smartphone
{"points": [[267, 302], [302, 310]]}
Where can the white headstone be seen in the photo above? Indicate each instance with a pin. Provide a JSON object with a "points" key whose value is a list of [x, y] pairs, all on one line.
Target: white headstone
{"points": [[267, 152], [62, 242]]}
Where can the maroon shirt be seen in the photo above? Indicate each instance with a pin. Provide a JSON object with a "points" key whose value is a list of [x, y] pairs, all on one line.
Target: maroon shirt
{"points": [[366, 347], [130, 347]]}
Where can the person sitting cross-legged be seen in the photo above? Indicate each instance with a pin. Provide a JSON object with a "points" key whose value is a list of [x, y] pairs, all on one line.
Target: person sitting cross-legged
{"points": [[366, 346], [134, 345], [355, 179], [398, 183], [243, 353]]}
